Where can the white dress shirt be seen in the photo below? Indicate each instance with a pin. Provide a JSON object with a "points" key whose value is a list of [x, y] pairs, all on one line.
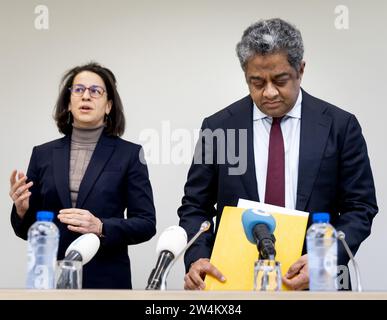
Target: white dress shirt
{"points": [[290, 127]]}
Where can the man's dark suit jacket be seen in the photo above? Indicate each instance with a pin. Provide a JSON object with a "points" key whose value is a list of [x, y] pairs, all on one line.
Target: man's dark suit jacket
{"points": [[115, 180], [334, 175]]}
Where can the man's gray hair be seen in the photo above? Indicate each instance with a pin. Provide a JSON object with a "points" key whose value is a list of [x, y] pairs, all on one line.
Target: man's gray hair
{"points": [[268, 37]]}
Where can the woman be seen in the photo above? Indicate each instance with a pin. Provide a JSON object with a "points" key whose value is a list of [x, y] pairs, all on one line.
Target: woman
{"points": [[88, 178]]}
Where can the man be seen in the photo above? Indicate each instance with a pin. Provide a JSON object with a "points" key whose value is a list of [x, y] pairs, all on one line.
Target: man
{"points": [[302, 153]]}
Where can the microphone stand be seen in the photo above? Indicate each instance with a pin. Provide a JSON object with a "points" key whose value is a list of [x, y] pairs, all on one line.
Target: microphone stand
{"points": [[341, 237], [203, 228]]}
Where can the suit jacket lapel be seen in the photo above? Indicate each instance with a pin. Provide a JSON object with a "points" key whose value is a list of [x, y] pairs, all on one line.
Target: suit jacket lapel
{"points": [[315, 127], [61, 165], [102, 153], [242, 118]]}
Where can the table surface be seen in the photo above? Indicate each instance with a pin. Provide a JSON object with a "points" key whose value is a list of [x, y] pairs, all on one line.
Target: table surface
{"points": [[86, 294]]}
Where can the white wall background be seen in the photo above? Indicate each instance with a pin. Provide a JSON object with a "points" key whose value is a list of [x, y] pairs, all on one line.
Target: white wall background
{"points": [[175, 61]]}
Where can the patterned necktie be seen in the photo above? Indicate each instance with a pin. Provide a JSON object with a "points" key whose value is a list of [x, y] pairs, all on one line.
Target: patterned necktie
{"points": [[275, 179]]}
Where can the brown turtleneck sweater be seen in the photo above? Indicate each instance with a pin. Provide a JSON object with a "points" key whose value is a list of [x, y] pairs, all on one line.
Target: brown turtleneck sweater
{"points": [[83, 142]]}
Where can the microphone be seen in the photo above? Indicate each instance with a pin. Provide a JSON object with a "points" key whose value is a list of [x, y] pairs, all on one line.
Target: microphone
{"points": [[170, 248], [341, 237], [83, 248], [171, 242], [259, 227]]}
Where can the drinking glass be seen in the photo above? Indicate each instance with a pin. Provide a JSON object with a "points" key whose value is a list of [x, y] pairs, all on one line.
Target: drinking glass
{"points": [[68, 274], [267, 275]]}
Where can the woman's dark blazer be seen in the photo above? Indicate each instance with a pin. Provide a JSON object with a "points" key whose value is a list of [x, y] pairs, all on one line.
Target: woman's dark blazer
{"points": [[116, 179]]}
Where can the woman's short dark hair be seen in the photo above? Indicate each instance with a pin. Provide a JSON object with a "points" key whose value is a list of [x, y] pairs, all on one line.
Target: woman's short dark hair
{"points": [[115, 124]]}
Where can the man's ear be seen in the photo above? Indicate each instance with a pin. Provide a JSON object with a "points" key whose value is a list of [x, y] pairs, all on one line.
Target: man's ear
{"points": [[301, 70]]}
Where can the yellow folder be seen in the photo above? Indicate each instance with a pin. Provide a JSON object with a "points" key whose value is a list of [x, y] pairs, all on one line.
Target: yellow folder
{"points": [[234, 255]]}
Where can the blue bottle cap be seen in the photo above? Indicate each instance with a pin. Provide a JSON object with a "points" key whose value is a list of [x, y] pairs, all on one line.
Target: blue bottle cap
{"points": [[44, 215], [321, 217]]}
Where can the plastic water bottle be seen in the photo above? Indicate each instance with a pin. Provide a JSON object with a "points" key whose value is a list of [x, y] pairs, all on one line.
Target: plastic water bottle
{"points": [[321, 242], [43, 240]]}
